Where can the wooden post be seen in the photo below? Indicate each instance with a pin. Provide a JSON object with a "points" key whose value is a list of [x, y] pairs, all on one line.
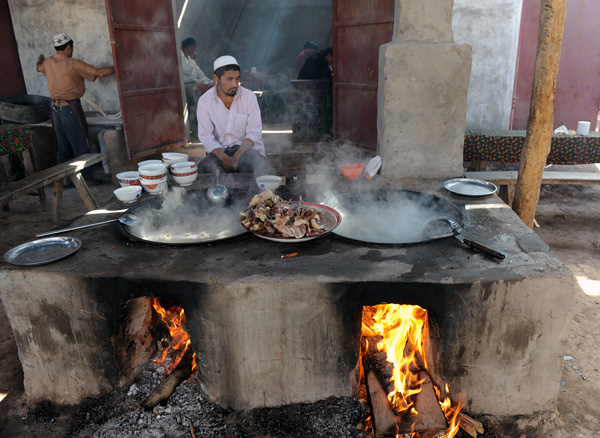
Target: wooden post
{"points": [[541, 112]]}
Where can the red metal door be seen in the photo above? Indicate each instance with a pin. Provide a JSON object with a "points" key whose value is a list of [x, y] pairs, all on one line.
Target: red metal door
{"points": [[578, 82], [359, 28], [145, 54], [11, 75]]}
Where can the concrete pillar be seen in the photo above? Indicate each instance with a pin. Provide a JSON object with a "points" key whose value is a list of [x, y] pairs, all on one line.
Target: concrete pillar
{"points": [[422, 98]]}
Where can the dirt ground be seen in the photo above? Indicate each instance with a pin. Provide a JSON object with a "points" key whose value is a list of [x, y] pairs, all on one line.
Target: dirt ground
{"points": [[568, 219]]}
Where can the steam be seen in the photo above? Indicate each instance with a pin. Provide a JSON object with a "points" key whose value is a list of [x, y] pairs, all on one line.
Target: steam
{"points": [[395, 218], [187, 217]]}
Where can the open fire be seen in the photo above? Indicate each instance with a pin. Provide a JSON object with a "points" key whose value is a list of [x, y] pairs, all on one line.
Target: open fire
{"points": [[173, 317], [406, 398]]}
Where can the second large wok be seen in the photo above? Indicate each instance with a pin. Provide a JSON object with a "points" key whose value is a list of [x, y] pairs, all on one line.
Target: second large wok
{"points": [[390, 216]]}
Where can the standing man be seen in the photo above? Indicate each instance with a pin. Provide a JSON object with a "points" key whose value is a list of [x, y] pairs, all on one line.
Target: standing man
{"points": [[65, 76], [310, 48], [229, 123]]}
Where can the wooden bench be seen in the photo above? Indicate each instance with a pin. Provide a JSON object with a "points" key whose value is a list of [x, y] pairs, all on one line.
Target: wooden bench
{"points": [[56, 175], [507, 180]]}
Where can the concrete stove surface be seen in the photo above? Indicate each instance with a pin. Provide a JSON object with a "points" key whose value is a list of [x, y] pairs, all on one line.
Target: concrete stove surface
{"points": [[270, 331]]}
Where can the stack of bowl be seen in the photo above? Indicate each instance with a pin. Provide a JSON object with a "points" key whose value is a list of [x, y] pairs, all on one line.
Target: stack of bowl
{"points": [[184, 173], [174, 157], [130, 178], [153, 178]]}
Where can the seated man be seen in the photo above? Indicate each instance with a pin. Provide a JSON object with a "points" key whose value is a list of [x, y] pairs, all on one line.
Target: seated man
{"points": [[229, 124], [191, 71]]}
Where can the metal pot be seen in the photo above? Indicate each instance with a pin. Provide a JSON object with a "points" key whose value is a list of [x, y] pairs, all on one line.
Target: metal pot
{"points": [[187, 220], [395, 217]]}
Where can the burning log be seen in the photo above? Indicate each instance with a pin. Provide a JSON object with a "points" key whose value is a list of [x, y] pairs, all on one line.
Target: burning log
{"points": [[430, 420], [167, 387]]}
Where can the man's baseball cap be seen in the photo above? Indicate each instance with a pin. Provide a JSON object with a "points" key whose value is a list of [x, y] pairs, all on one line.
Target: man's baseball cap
{"points": [[61, 39], [224, 60]]}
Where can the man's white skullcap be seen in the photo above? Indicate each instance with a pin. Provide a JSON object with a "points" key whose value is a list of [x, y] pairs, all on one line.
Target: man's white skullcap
{"points": [[224, 60], [61, 39]]}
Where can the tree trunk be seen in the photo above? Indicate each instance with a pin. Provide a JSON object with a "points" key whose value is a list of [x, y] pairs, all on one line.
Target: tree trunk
{"points": [[541, 112]]}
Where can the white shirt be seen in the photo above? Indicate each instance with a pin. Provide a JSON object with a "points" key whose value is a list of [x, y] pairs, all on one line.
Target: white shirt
{"points": [[219, 127], [191, 71]]}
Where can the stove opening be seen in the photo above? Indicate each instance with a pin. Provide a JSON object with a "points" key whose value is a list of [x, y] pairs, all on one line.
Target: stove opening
{"points": [[154, 329], [401, 377]]}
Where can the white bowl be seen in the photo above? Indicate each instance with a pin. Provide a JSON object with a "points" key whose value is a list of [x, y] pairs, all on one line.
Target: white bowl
{"points": [[128, 194], [152, 180], [174, 157], [155, 188], [270, 182], [185, 179], [146, 162], [130, 178], [183, 167], [152, 171]]}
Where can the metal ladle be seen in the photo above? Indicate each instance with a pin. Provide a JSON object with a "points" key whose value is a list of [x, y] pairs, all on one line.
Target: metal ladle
{"points": [[218, 194], [126, 219]]}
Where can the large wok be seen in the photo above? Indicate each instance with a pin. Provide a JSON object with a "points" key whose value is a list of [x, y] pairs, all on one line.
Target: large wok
{"points": [[390, 216], [186, 218]]}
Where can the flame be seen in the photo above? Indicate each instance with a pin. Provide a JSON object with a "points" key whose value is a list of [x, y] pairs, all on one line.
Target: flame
{"points": [[400, 333], [174, 319]]}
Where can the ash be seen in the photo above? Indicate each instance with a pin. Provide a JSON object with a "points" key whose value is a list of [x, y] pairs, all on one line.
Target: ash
{"points": [[186, 414]]}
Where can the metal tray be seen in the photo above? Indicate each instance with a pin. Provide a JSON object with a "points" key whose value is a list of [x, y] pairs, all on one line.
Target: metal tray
{"points": [[42, 251], [470, 187], [330, 219]]}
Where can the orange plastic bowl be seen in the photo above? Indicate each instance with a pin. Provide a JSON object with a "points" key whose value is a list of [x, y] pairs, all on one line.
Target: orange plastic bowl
{"points": [[352, 171]]}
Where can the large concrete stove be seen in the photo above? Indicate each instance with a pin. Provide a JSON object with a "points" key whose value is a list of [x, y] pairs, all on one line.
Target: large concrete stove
{"points": [[270, 331]]}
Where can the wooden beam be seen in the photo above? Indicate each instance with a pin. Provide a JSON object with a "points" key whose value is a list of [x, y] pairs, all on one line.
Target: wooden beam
{"points": [[541, 113]]}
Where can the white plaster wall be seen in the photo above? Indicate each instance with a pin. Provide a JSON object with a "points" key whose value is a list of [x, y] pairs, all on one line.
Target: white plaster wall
{"points": [[492, 28], [35, 22]]}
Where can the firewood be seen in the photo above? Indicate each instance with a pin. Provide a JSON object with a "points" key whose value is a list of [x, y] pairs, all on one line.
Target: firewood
{"points": [[466, 423], [191, 428], [167, 387], [430, 418], [384, 419]]}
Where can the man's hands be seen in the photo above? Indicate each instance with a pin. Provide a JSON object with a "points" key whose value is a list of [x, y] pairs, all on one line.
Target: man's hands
{"points": [[230, 163]]}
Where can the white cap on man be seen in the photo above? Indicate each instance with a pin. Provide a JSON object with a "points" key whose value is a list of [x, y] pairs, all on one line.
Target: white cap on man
{"points": [[61, 39], [224, 60]]}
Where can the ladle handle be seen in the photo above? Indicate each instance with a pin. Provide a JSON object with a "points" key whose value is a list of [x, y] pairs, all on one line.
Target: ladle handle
{"points": [[64, 230], [484, 249]]}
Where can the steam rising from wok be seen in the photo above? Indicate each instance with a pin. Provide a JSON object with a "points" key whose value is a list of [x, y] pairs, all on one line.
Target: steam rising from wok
{"points": [[186, 217], [389, 216]]}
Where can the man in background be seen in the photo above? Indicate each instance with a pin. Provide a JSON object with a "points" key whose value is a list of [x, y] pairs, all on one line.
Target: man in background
{"points": [[318, 67], [66, 84], [230, 124], [191, 71], [310, 48]]}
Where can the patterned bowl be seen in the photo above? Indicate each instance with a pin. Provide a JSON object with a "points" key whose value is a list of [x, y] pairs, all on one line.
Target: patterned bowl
{"points": [[185, 179], [151, 171], [155, 187], [130, 178], [183, 167]]}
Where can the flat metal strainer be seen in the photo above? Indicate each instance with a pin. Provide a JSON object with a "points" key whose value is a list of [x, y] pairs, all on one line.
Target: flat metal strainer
{"points": [[443, 227]]}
